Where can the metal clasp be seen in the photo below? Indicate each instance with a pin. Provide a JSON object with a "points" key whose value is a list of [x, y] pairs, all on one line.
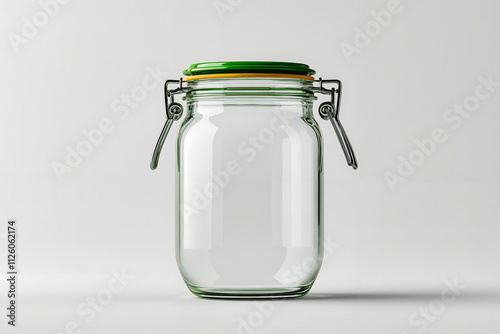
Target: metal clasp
{"points": [[174, 112], [330, 110]]}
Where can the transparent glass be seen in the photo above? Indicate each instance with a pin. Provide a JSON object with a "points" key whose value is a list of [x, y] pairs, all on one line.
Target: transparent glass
{"points": [[249, 189]]}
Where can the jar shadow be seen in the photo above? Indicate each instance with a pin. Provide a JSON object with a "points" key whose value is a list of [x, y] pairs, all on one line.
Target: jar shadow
{"points": [[399, 295]]}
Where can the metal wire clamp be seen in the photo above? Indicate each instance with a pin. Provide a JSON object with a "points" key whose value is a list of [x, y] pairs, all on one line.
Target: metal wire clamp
{"points": [[330, 110]]}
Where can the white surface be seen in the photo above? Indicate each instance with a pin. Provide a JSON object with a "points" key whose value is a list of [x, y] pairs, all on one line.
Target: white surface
{"points": [[112, 212]]}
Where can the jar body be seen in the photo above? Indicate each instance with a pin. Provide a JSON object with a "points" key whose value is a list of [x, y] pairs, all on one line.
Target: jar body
{"points": [[249, 194]]}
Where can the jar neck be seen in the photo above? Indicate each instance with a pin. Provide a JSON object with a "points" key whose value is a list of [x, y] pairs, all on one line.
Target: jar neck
{"points": [[257, 90], [288, 109]]}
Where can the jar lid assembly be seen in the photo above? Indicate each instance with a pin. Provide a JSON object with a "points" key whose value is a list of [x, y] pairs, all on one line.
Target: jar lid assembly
{"points": [[256, 69], [249, 67]]}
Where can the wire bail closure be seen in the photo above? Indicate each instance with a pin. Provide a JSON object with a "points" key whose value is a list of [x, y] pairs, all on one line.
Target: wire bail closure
{"points": [[327, 110], [330, 110], [174, 112]]}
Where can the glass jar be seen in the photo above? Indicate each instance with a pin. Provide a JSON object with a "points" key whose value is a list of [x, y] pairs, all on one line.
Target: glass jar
{"points": [[249, 181]]}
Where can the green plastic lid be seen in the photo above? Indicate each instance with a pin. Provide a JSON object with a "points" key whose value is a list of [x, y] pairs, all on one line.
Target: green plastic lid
{"points": [[277, 67]]}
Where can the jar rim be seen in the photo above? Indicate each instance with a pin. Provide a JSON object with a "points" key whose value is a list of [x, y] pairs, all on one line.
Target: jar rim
{"points": [[252, 87]]}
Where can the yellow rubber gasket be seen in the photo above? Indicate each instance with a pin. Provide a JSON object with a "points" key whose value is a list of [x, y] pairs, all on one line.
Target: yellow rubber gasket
{"points": [[248, 75]]}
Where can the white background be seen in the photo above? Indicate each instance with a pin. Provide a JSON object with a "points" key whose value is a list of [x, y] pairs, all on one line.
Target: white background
{"points": [[396, 249]]}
